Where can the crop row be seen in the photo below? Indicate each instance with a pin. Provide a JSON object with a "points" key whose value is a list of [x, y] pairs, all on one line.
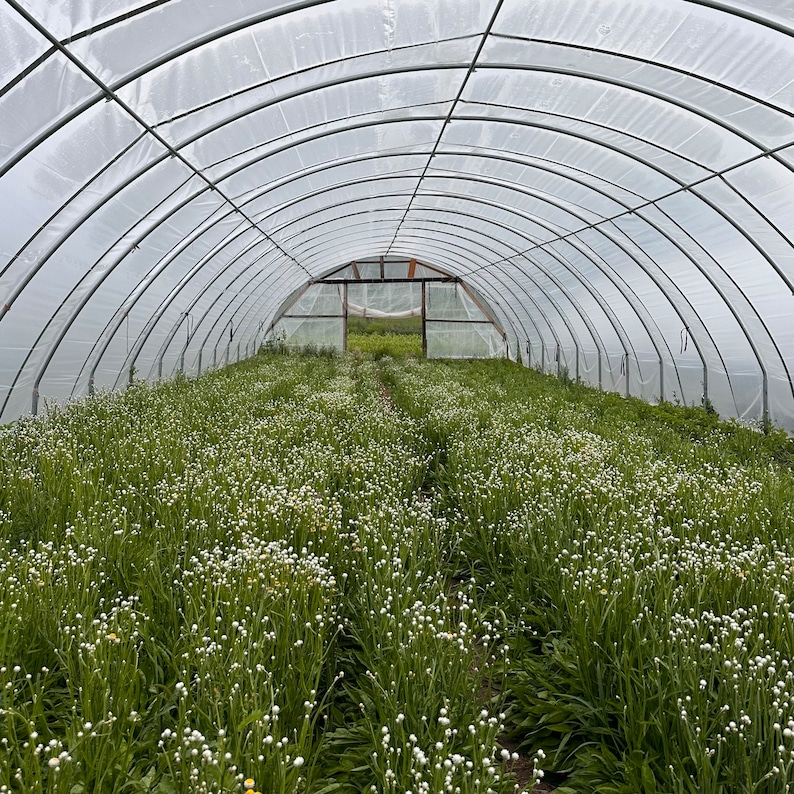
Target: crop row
{"points": [[320, 574]]}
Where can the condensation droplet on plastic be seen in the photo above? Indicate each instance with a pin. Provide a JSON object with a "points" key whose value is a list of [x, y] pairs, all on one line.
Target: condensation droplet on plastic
{"points": [[604, 30]]}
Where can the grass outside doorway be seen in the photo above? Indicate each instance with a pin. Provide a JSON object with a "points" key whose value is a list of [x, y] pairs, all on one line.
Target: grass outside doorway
{"points": [[395, 338]]}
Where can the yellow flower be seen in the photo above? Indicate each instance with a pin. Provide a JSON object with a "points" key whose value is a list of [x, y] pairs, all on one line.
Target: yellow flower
{"points": [[603, 591], [113, 638], [248, 784]]}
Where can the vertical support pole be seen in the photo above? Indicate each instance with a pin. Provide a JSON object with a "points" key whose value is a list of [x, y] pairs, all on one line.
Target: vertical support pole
{"points": [[576, 354], [558, 356], [188, 321], [229, 343], [705, 383], [382, 270], [628, 393], [239, 341], [199, 360], [34, 408], [91, 386], [529, 353], [160, 366], [424, 319], [215, 357], [661, 380], [344, 317], [132, 374], [600, 372], [542, 356], [765, 397]]}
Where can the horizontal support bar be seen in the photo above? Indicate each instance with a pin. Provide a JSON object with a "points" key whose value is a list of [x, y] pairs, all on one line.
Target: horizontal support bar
{"points": [[448, 280]]}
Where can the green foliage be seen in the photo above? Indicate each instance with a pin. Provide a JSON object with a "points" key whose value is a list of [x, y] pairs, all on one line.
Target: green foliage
{"points": [[379, 327], [335, 574], [642, 557], [387, 344], [203, 582]]}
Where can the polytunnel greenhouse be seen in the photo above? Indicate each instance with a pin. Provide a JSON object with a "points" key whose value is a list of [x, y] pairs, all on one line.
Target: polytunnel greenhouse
{"points": [[612, 179], [396, 396]]}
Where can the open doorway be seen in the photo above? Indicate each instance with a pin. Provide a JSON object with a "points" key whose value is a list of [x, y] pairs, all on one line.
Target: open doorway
{"points": [[398, 337], [391, 307]]}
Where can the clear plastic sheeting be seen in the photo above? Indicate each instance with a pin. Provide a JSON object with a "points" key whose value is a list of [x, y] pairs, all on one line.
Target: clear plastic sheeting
{"points": [[385, 301], [456, 322], [457, 325], [612, 181], [463, 340], [320, 333]]}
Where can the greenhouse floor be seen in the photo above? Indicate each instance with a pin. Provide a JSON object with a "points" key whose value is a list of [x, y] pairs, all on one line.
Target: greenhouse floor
{"points": [[336, 574]]}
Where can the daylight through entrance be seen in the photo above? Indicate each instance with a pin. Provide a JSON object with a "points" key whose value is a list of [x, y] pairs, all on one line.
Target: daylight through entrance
{"points": [[391, 295]]}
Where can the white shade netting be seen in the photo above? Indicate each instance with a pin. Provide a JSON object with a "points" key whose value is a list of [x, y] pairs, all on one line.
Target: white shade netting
{"points": [[612, 180]]}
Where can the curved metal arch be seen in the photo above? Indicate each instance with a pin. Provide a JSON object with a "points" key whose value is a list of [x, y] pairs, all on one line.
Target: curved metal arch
{"points": [[583, 315], [151, 323], [510, 66], [646, 321], [682, 185], [491, 120], [171, 55], [521, 324], [645, 270], [491, 298], [348, 80], [199, 295], [332, 187], [614, 242], [476, 154], [612, 319], [201, 192], [569, 297], [311, 138], [246, 322]]}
